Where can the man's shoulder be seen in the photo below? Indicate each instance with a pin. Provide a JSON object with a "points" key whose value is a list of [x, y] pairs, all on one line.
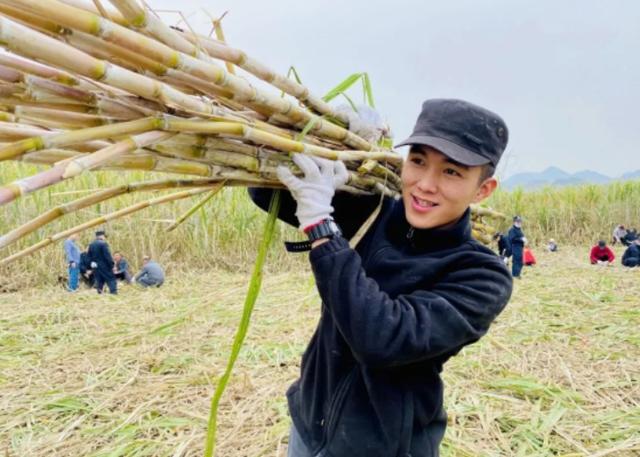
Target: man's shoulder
{"points": [[477, 255]]}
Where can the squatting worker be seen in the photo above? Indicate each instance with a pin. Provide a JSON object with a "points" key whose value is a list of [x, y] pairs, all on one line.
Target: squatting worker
{"points": [[415, 290]]}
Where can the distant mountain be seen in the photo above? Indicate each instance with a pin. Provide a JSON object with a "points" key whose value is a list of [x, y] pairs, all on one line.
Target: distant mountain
{"points": [[592, 177], [631, 175], [554, 176]]}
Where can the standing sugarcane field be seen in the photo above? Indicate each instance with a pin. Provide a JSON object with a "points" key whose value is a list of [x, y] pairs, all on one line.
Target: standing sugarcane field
{"points": [[287, 229]]}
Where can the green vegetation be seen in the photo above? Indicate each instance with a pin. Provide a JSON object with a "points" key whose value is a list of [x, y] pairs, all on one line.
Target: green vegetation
{"points": [[580, 214]]}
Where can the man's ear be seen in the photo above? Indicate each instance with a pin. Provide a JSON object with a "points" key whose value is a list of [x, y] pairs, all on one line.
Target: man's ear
{"points": [[485, 189]]}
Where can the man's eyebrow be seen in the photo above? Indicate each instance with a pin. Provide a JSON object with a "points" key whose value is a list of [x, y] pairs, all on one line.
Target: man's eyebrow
{"points": [[417, 151], [456, 163]]}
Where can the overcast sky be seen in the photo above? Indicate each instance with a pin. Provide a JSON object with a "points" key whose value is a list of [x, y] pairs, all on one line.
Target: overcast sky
{"points": [[565, 75]]}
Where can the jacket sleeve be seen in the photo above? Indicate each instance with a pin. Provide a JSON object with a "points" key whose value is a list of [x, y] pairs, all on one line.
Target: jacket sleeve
{"points": [[382, 331], [350, 211], [612, 256]]}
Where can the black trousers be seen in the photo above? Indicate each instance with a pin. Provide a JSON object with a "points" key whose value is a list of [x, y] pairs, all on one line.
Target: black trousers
{"points": [[516, 265], [109, 279]]}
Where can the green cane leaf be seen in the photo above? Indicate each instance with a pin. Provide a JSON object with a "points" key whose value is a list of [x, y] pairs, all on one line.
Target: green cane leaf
{"points": [[241, 333]]}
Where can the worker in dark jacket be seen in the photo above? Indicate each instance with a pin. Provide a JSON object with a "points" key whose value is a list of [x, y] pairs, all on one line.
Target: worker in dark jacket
{"points": [[102, 263], [504, 250], [631, 256], [414, 291], [517, 241]]}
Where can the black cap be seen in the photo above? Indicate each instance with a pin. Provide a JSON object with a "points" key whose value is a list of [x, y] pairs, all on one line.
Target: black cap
{"points": [[517, 219], [465, 132], [101, 233]]}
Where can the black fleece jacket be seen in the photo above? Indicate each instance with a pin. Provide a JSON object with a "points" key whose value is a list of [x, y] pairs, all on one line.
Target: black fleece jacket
{"points": [[394, 310]]}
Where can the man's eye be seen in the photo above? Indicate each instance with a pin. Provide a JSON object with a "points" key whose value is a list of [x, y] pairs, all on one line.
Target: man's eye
{"points": [[417, 160], [452, 172]]}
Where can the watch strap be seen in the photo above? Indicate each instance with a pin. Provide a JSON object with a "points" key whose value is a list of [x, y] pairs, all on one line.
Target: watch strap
{"points": [[326, 228]]}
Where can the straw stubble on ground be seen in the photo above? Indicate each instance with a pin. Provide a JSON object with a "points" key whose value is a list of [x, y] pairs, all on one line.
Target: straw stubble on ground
{"points": [[132, 375]]}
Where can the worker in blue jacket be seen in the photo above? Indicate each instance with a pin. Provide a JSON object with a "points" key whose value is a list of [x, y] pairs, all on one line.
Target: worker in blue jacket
{"points": [[516, 240], [414, 291], [102, 263], [72, 254]]}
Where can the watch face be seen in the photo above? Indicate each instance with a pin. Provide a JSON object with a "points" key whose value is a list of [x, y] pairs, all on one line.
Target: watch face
{"points": [[327, 229]]}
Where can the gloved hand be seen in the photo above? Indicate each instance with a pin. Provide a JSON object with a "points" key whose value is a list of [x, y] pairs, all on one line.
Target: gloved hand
{"points": [[313, 192], [365, 122]]}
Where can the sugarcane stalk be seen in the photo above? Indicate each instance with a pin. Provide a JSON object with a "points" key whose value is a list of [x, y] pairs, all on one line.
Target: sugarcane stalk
{"points": [[102, 220], [57, 140], [195, 207], [73, 167], [60, 119], [28, 66], [217, 26], [101, 196]]}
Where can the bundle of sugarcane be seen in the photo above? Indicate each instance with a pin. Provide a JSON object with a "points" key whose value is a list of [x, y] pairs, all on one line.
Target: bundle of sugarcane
{"points": [[84, 87]]}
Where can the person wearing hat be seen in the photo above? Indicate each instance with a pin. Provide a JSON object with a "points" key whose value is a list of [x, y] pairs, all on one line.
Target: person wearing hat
{"points": [[552, 246], [601, 254], [517, 241], [101, 262], [413, 292]]}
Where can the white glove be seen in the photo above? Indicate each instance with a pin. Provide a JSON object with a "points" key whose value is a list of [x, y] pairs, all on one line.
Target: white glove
{"points": [[94, 265], [366, 122], [313, 193], [524, 240]]}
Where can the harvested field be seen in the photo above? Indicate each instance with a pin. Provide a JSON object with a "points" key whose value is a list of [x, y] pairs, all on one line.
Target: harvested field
{"points": [[132, 375]]}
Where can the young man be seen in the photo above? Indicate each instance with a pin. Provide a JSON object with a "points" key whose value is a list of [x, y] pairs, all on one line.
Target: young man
{"points": [[601, 254], [72, 253], [121, 268], [101, 263], [517, 241], [415, 290]]}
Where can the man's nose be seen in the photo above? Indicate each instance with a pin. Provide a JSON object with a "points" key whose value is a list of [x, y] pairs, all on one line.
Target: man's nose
{"points": [[428, 182]]}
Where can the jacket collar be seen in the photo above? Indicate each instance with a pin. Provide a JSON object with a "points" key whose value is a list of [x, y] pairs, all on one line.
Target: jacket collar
{"points": [[426, 240]]}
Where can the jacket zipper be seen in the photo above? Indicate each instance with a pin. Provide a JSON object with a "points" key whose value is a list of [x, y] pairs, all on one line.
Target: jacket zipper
{"points": [[336, 405], [410, 233]]}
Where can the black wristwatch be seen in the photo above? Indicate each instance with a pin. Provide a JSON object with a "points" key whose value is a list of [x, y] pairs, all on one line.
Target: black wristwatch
{"points": [[326, 228]]}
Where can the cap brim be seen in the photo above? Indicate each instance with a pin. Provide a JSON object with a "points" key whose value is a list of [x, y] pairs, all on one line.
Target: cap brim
{"points": [[451, 150]]}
